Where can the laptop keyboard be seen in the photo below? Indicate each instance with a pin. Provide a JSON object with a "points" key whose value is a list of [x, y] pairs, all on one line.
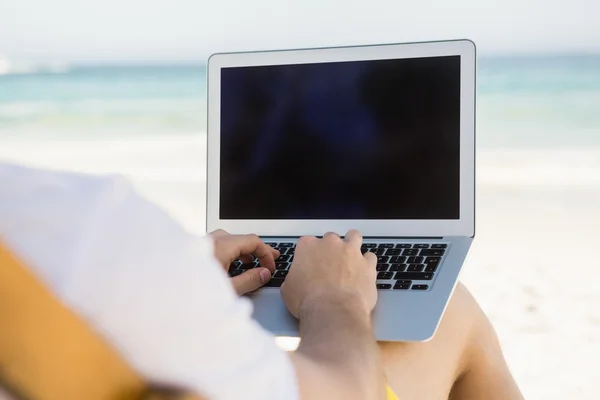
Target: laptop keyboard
{"points": [[404, 266]]}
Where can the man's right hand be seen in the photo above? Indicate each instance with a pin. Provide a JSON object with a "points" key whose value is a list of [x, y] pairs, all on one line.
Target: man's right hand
{"points": [[331, 269]]}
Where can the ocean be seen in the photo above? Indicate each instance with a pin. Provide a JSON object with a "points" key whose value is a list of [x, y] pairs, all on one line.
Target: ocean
{"points": [[523, 102], [538, 123], [84, 102]]}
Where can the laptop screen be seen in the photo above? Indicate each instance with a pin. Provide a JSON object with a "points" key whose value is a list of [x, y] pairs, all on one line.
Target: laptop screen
{"points": [[375, 139]]}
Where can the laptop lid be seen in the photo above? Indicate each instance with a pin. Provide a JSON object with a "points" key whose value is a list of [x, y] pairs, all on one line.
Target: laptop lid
{"points": [[378, 138]]}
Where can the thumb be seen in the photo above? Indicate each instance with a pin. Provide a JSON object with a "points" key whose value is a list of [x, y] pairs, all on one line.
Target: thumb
{"points": [[371, 258], [251, 280]]}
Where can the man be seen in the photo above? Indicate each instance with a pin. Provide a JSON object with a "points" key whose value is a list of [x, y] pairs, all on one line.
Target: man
{"points": [[161, 297]]}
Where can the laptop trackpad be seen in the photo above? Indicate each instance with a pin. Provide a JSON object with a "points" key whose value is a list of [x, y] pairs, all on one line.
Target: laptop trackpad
{"points": [[272, 314]]}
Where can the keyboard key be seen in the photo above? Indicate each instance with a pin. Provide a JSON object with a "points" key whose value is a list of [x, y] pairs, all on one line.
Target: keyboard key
{"points": [[281, 265], [397, 260], [235, 264], [291, 251], [402, 285], [421, 246], [431, 267], [283, 258], [432, 252], [275, 282], [414, 260], [382, 259], [403, 246], [248, 266], [283, 250], [414, 276], [433, 260], [393, 252], [398, 267], [280, 274], [286, 244], [364, 250], [384, 286], [369, 245], [385, 246], [415, 267], [379, 252], [420, 287], [410, 252], [439, 246], [382, 267], [271, 244], [385, 275]]}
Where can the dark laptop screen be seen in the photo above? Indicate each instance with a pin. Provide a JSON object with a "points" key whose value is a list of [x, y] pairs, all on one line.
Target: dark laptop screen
{"points": [[343, 140]]}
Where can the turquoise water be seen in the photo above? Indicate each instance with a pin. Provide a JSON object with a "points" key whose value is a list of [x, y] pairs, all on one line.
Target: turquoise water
{"points": [[90, 101], [542, 102], [539, 102]]}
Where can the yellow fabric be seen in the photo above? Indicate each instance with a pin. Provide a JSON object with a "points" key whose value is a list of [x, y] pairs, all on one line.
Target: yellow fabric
{"points": [[48, 353], [390, 394]]}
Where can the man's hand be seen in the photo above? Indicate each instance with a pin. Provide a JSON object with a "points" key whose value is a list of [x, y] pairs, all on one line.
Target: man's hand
{"points": [[331, 289], [229, 248], [331, 269]]}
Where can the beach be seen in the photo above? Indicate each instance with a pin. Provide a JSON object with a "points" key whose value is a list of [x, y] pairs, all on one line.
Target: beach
{"points": [[532, 267]]}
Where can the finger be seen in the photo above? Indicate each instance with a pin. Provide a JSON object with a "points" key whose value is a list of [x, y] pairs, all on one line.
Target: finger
{"points": [[218, 233], [252, 244], [371, 258], [246, 258], [304, 240], [250, 280], [275, 252], [249, 258], [265, 261], [331, 235], [354, 238]]}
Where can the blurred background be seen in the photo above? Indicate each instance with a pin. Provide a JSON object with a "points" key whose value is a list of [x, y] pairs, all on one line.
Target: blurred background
{"points": [[118, 86]]}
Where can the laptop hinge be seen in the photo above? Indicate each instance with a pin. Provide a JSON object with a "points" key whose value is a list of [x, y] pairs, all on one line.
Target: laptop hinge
{"points": [[403, 237], [370, 237]]}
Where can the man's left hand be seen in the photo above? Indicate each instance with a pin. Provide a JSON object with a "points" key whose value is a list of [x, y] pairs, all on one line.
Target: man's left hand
{"points": [[229, 248]]}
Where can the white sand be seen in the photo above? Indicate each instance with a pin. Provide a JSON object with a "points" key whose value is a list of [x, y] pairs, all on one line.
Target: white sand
{"points": [[534, 270], [533, 265]]}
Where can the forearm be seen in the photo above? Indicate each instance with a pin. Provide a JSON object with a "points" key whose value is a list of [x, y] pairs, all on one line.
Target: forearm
{"points": [[339, 340]]}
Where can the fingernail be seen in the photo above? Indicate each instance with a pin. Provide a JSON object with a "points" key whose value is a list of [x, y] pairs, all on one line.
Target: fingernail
{"points": [[265, 275]]}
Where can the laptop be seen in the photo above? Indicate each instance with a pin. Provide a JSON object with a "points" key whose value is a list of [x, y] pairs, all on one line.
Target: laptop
{"points": [[377, 138]]}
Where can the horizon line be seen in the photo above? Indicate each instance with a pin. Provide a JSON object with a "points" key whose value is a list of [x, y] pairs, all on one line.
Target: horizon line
{"points": [[63, 66], [202, 62]]}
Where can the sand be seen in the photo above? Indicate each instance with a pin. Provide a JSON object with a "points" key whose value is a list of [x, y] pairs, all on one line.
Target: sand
{"points": [[534, 270], [533, 266]]}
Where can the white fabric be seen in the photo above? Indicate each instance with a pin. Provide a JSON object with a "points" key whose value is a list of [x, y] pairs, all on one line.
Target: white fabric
{"points": [[151, 289]]}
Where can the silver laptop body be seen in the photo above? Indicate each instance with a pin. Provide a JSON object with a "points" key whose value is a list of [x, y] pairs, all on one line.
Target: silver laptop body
{"points": [[377, 138]]}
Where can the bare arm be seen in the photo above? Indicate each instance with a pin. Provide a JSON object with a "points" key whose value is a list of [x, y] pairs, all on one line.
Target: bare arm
{"points": [[338, 356], [331, 289]]}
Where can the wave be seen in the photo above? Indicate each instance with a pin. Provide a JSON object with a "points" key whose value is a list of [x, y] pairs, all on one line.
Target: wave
{"points": [[98, 116], [182, 158], [107, 107], [8, 68]]}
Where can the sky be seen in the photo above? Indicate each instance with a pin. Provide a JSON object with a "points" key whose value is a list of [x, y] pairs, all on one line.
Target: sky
{"points": [[189, 30]]}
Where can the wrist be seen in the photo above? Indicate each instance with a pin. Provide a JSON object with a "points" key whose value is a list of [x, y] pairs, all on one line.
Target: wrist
{"points": [[337, 301]]}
